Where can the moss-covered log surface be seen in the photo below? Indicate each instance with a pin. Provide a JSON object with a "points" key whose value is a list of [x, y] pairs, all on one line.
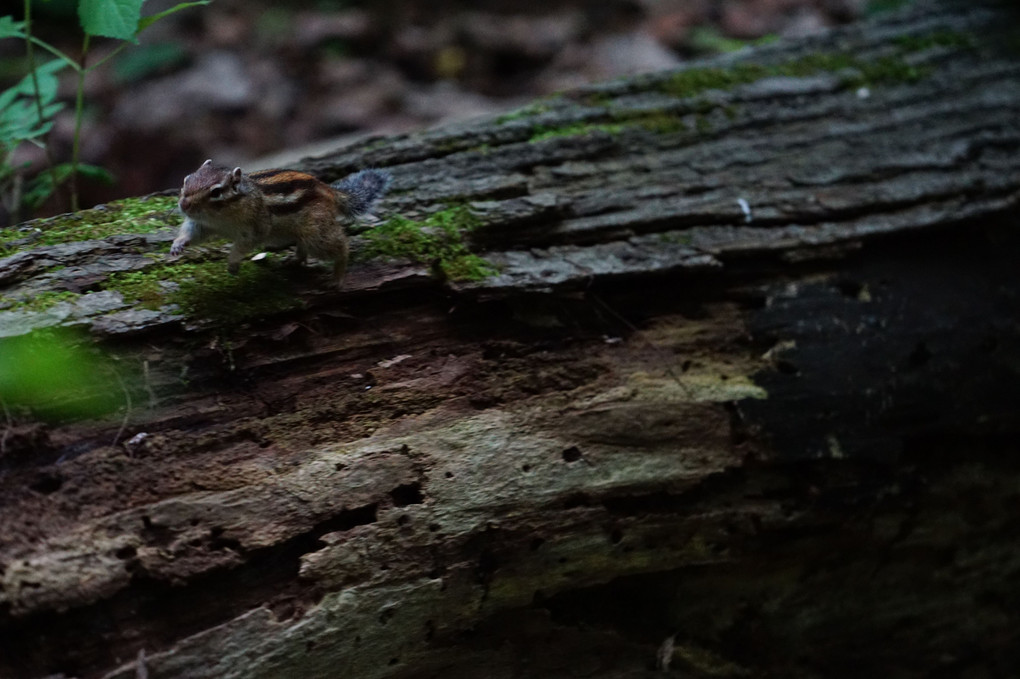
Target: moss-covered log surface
{"points": [[710, 372]]}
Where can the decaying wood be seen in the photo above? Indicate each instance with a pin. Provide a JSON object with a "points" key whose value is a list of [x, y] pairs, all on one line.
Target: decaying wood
{"points": [[742, 388]]}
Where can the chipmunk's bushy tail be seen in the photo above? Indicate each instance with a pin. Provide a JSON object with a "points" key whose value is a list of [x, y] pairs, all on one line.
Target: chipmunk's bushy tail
{"points": [[363, 189]]}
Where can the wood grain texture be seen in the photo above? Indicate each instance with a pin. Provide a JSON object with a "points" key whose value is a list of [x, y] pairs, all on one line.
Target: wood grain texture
{"points": [[782, 437]]}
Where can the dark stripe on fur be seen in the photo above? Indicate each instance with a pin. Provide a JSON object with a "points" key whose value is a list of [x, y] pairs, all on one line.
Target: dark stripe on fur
{"points": [[289, 186]]}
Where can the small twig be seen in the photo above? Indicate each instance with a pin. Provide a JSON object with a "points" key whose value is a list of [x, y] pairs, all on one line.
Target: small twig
{"points": [[7, 430], [634, 328], [148, 384], [128, 406], [17, 188], [30, 53], [664, 655], [141, 670], [79, 105]]}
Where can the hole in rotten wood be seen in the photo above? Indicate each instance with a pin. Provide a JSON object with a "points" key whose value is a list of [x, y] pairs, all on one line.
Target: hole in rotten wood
{"points": [[348, 519], [126, 552], [576, 500], [919, 356], [850, 288], [218, 543], [156, 534], [572, 454], [407, 494], [787, 368], [47, 482], [487, 565]]}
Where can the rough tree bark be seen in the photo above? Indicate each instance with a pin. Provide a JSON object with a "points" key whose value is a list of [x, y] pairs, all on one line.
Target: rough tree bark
{"points": [[740, 395]]}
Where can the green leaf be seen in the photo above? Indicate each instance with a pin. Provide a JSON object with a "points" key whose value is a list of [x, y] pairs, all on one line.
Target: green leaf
{"points": [[146, 60], [19, 114], [110, 18], [149, 20], [9, 28], [58, 375], [7, 98], [96, 173], [47, 77], [41, 187]]}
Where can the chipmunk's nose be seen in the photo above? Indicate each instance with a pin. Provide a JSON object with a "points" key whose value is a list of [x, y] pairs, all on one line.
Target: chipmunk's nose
{"points": [[184, 203]]}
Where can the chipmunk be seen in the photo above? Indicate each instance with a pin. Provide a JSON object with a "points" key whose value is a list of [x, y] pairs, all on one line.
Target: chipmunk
{"points": [[275, 208]]}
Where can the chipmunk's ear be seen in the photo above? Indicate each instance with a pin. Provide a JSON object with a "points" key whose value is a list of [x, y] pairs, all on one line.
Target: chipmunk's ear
{"points": [[207, 162], [236, 175]]}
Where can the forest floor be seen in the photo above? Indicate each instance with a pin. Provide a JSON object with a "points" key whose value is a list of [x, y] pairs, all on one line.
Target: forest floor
{"points": [[262, 84]]}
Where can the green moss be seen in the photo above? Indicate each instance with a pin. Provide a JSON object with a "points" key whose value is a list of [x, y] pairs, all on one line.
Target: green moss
{"points": [[40, 302], [707, 40], [873, 7], [144, 287], [467, 267], [676, 237], [697, 80], [881, 71], [918, 43], [576, 129], [659, 122], [528, 111], [135, 215], [438, 241], [854, 72], [207, 290]]}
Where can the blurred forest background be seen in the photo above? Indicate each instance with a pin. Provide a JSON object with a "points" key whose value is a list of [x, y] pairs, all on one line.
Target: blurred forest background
{"points": [[261, 84]]}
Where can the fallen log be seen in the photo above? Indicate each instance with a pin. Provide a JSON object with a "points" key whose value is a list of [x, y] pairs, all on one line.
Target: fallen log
{"points": [[712, 371]]}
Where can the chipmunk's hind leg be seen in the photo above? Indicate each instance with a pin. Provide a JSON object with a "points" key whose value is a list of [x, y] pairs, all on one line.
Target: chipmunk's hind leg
{"points": [[333, 245], [340, 271], [241, 248]]}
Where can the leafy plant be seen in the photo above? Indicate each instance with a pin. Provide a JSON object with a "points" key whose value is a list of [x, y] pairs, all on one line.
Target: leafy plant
{"points": [[27, 109]]}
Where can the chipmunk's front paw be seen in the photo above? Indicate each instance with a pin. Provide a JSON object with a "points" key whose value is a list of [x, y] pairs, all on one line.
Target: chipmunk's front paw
{"points": [[177, 248]]}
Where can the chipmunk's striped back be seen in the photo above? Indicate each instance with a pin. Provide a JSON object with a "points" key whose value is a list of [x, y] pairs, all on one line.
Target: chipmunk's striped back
{"points": [[289, 191]]}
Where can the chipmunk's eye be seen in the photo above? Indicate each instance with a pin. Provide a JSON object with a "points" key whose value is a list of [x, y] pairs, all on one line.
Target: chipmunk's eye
{"points": [[215, 192]]}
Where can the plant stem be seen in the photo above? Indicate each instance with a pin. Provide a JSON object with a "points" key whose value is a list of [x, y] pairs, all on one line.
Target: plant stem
{"points": [[52, 50], [79, 105], [30, 53]]}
